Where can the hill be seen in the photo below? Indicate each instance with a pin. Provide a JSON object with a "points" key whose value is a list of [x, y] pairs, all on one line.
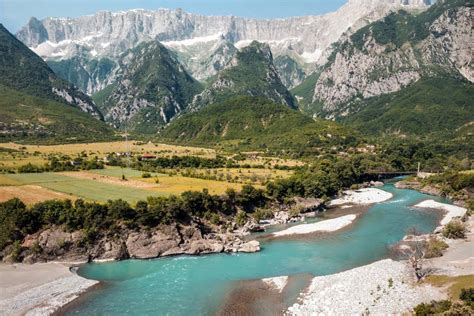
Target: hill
{"points": [[23, 70], [430, 106], [244, 123], [251, 72]]}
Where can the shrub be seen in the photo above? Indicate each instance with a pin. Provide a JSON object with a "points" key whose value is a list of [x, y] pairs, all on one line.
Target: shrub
{"points": [[146, 175], [435, 307], [15, 252], [455, 229], [241, 218], [435, 248], [467, 296]]}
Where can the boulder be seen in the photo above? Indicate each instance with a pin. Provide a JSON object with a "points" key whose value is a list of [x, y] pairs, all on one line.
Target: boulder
{"points": [[251, 246], [203, 246], [146, 245]]}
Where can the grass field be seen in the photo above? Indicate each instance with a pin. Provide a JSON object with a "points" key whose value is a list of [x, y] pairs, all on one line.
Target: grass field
{"points": [[83, 188], [172, 184], [118, 146], [106, 184]]}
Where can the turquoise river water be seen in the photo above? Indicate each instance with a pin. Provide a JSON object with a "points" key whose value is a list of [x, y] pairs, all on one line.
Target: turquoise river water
{"points": [[197, 285]]}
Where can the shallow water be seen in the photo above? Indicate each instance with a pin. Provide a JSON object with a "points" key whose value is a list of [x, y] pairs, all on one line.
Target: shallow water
{"points": [[197, 285]]}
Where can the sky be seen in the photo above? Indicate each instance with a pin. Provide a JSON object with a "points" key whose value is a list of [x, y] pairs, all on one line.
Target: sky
{"points": [[15, 13]]}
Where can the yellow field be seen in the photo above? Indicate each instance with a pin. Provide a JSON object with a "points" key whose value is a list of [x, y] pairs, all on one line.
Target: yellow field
{"points": [[118, 146], [31, 194], [15, 160], [178, 184]]}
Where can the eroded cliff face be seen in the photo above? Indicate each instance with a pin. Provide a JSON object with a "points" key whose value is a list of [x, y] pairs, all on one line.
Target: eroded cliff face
{"points": [[151, 88], [195, 37], [368, 64]]}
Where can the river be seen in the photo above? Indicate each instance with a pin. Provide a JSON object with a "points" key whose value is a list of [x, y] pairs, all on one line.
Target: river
{"points": [[198, 285]]}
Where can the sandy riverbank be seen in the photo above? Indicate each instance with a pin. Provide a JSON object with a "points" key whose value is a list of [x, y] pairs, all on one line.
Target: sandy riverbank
{"points": [[381, 288], [451, 211], [362, 197], [329, 225], [38, 289]]}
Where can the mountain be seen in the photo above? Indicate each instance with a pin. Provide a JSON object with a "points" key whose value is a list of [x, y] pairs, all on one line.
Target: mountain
{"points": [[36, 105], [391, 54], [434, 105], [250, 72], [251, 123], [89, 76], [291, 74], [307, 40], [22, 70], [151, 88]]}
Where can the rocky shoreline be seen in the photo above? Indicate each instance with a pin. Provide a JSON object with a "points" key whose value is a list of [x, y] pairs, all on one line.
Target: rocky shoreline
{"points": [[55, 244]]}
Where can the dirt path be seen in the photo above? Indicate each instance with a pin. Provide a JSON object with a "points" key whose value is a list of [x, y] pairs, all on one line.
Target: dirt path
{"points": [[108, 179]]}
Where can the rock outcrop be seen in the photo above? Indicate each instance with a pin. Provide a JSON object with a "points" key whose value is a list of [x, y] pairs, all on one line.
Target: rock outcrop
{"points": [[54, 244]]}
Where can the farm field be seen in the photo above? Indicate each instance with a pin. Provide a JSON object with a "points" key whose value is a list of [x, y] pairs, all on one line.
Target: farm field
{"points": [[102, 185], [167, 184], [31, 194], [244, 175], [117, 146], [82, 188]]}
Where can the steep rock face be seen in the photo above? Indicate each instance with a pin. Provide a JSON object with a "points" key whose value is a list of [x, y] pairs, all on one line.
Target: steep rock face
{"points": [[108, 34], [251, 72], [203, 59], [22, 70], [89, 76], [395, 52], [291, 74], [152, 87]]}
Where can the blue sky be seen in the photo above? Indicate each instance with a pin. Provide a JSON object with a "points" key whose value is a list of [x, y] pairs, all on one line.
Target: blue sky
{"points": [[15, 13]]}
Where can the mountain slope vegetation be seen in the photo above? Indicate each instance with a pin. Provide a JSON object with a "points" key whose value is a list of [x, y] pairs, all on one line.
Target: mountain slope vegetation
{"points": [[250, 73], [23, 70], [151, 89], [257, 123], [430, 106]]}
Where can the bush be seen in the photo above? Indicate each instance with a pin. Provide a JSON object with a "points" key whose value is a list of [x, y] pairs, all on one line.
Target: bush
{"points": [[146, 175], [467, 296], [435, 248], [241, 218], [435, 307], [455, 229]]}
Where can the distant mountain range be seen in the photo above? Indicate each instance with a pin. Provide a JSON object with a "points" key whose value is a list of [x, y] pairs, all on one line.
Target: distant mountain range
{"points": [[369, 65], [203, 43]]}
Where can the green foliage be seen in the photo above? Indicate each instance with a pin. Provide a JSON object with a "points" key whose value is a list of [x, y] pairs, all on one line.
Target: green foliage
{"points": [[455, 229], [305, 92], [154, 76], [39, 120], [435, 248], [246, 123], [435, 307], [467, 296], [252, 75], [437, 106]]}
